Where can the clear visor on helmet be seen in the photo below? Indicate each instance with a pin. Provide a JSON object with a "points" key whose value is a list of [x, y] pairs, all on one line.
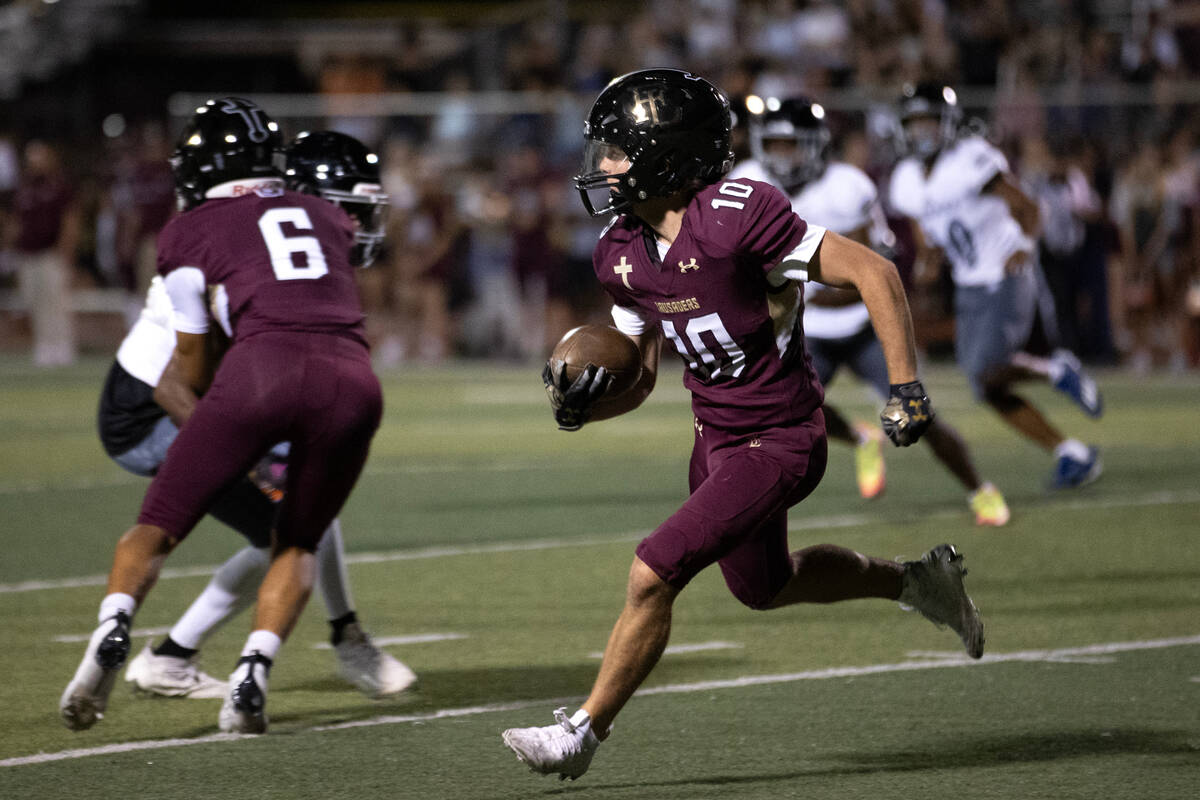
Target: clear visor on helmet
{"points": [[598, 178], [602, 158]]}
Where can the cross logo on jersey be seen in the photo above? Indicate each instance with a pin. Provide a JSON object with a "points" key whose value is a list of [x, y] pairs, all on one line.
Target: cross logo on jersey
{"points": [[690, 265], [623, 269]]}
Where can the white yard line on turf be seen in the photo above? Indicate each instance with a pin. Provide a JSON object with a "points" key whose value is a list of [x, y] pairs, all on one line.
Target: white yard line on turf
{"points": [[799, 524], [412, 638], [1058, 655], [136, 633], [124, 479], [676, 649]]}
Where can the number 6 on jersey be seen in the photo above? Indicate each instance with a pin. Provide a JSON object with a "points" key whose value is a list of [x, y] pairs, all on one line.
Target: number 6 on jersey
{"points": [[284, 248]]}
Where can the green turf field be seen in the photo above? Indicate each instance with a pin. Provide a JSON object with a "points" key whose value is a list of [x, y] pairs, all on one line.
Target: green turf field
{"points": [[505, 544]]}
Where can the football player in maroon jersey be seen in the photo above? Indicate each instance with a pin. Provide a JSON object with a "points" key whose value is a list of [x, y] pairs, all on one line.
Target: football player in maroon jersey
{"points": [[713, 267], [272, 268], [136, 430]]}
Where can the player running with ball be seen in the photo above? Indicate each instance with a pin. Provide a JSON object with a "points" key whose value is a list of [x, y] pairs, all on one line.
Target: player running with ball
{"points": [[714, 266]]}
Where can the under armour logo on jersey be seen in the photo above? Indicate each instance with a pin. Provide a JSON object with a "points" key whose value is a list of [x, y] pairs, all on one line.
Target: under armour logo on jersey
{"points": [[690, 265], [623, 269], [250, 114], [755, 443], [699, 427]]}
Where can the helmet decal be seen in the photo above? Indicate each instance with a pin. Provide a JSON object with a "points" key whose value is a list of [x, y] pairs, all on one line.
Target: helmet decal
{"points": [[252, 115]]}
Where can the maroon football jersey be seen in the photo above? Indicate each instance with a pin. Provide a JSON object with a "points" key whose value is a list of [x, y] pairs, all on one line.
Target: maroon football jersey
{"points": [[709, 295], [281, 258]]}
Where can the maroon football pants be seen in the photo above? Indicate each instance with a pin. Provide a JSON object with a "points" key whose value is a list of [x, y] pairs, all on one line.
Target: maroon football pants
{"points": [[316, 391], [742, 487]]}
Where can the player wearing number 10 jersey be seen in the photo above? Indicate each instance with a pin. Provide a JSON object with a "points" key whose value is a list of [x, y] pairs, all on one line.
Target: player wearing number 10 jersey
{"points": [[713, 266], [271, 268]]}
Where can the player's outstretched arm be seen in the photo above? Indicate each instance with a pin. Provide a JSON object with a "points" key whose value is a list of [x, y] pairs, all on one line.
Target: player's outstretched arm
{"points": [[842, 262]]}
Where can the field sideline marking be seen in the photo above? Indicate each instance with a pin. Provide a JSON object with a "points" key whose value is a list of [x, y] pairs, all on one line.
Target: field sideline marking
{"points": [[412, 638], [128, 479], [800, 524], [676, 649], [1059, 655]]}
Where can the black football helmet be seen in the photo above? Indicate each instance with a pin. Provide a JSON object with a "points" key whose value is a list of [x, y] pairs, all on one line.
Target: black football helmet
{"points": [[929, 100], [342, 170], [226, 139], [671, 129], [800, 123]]}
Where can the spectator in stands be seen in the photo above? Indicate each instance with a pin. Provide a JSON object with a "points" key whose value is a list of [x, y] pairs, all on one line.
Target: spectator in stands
{"points": [[1066, 202], [538, 257], [47, 235], [431, 253], [1148, 220]]}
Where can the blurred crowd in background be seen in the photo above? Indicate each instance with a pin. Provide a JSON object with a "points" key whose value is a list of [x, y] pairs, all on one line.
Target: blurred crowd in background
{"points": [[476, 111]]}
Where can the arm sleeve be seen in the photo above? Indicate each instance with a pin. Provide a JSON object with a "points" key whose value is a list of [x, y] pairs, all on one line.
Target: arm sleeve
{"points": [[980, 163], [185, 286], [904, 189], [628, 320], [794, 265]]}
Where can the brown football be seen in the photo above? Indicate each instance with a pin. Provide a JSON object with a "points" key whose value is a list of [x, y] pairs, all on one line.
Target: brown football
{"points": [[605, 347]]}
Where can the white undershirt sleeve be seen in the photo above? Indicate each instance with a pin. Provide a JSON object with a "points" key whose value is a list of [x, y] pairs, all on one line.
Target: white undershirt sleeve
{"points": [[628, 321], [185, 285], [794, 265]]}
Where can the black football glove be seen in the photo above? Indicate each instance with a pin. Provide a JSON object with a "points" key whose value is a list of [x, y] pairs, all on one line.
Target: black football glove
{"points": [[572, 401], [907, 414]]}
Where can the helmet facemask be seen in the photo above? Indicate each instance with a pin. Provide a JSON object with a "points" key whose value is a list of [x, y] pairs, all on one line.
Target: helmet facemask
{"points": [[603, 178], [930, 118], [367, 205], [794, 159], [791, 141]]}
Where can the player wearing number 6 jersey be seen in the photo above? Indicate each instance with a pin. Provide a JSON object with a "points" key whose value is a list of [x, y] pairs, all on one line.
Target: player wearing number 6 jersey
{"points": [[271, 268], [713, 266]]}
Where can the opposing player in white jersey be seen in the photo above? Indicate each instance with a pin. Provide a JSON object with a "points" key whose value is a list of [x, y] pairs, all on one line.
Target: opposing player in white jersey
{"points": [[136, 429], [790, 143], [966, 203]]}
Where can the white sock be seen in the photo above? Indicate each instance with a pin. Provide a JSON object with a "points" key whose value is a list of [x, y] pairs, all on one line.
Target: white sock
{"points": [[1072, 448], [1051, 368], [581, 719], [117, 601], [233, 587], [331, 573], [265, 642]]}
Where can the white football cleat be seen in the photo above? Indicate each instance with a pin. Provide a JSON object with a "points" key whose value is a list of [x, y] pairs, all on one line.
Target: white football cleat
{"points": [[86, 697], [171, 676], [374, 672], [566, 747], [245, 706], [933, 586]]}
